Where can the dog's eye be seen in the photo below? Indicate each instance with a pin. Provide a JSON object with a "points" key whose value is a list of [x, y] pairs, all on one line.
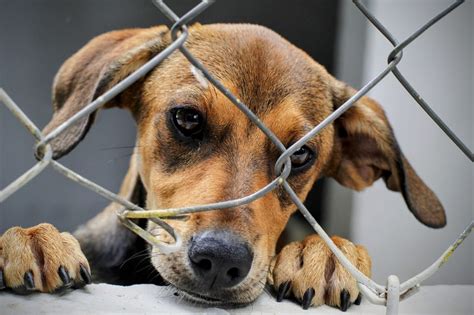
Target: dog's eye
{"points": [[187, 120], [301, 157]]}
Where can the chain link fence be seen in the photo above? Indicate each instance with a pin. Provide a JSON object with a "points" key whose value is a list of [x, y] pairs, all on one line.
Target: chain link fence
{"points": [[389, 294]]}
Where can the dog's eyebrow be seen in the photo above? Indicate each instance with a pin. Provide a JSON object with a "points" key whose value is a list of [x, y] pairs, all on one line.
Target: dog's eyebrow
{"points": [[300, 132], [190, 94]]}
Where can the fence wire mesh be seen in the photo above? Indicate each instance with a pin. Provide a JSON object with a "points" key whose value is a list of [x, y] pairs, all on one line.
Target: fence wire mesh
{"points": [[389, 294]]}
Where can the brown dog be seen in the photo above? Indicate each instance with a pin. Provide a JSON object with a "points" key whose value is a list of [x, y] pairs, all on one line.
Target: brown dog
{"points": [[195, 147]]}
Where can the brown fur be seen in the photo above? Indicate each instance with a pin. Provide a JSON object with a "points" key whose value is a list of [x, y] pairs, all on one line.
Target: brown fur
{"points": [[289, 92]]}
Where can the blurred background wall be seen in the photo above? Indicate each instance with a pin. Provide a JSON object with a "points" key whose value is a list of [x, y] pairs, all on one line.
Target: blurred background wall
{"points": [[37, 36], [440, 66]]}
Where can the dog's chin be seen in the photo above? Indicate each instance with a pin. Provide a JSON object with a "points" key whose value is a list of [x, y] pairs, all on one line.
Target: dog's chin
{"points": [[209, 301], [222, 300], [185, 285]]}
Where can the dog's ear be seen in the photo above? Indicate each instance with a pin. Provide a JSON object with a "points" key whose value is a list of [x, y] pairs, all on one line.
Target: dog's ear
{"points": [[94, 69], [366, 149]]}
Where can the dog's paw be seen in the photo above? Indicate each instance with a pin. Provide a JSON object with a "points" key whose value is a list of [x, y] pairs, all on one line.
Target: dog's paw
{"points": [[309, 272], [41, 259]]}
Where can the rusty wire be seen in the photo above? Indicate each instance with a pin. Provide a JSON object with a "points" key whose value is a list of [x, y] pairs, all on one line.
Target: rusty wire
{"points": [[388, 295]]}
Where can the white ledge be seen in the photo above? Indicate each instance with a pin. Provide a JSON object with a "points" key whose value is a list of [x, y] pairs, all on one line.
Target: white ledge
{"points": [[141, 299]]}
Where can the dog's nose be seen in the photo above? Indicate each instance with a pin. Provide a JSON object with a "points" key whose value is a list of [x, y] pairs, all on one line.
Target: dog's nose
{"points": [[220, 259]]}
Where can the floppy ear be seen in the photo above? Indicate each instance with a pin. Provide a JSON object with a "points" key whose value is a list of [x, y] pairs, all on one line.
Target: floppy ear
{"points": [[98, 66], [366, 149]]}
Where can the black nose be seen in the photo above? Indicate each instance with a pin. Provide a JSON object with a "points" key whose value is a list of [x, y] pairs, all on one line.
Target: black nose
{"points": [[220, 259]]}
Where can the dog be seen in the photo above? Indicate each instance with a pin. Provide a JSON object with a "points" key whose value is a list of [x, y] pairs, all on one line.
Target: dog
{"points": [[195, 147]]}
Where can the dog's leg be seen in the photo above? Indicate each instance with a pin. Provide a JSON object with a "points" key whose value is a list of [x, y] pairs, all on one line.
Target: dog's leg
{"points": [[41, 259], [309, 271], [117, 255]]}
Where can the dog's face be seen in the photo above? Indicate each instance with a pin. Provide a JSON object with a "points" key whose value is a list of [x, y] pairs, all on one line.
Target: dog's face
{"points": [[195, 147]]}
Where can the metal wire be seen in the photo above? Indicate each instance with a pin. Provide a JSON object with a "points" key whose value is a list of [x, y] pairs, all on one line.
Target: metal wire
{"points": [[388, 295], [398, 49]]}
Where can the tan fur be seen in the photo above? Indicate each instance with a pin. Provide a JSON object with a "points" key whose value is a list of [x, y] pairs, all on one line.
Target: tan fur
{"points": [[41, 249], [310, 264], [290, 93]]}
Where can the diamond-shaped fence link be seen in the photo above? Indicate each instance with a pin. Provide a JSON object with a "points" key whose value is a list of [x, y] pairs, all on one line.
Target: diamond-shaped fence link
{"points": [[389, 294]]}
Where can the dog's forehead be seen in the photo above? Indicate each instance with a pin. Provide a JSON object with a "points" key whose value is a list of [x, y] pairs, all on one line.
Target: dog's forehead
{"points": [[257, 65], [262, 66]]}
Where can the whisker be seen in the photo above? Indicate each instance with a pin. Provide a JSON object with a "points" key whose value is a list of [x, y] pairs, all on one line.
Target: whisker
{"points": [[143, 260], [156, 275], [137, 254], [119, 148], [156, 255], [145, 268], [119, 157]]}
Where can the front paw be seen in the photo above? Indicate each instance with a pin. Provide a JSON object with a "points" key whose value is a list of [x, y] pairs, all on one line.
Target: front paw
{"points": [[309, 272], [41, 259]]}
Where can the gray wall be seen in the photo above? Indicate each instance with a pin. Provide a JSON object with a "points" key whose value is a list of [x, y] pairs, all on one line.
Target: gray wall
{"points": [[36, 37], [440, 65]]}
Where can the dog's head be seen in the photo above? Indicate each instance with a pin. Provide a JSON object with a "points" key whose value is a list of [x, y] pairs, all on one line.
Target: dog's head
{"points": [[195, 147]]}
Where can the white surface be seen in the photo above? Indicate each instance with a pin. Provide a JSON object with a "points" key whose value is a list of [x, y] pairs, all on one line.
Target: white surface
{"points": [[148, 299], [439, 64]]}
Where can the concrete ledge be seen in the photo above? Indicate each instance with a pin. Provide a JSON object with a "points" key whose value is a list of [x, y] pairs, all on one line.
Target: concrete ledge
{"points": [[148, 299]]}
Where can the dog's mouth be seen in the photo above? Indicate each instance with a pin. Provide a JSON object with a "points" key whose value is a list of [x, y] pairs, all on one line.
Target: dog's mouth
{"points": [[203, 299], [207, 300]]}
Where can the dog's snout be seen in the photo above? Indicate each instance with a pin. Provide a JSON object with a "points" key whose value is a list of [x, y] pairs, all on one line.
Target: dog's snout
{"points": [[219, 259]]}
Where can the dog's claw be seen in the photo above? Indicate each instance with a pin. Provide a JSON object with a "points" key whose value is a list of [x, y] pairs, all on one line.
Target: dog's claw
{"points": [[2, 282], [358, 300], [29, 281], [62, 289], [345, 300], [85, 275], [283, 290], [21, 290], [307, 298], [63, 274], [85, 278]]}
